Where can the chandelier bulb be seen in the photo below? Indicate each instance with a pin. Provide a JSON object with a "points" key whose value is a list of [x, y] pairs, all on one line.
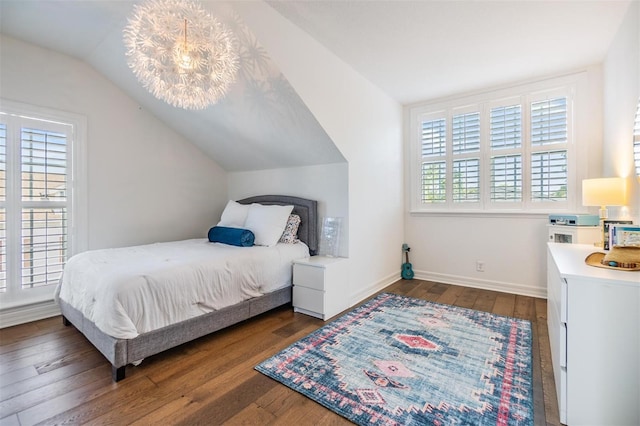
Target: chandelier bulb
{"points": [[183, 55]]}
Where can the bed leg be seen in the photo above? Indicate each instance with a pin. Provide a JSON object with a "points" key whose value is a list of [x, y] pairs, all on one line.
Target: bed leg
{"points": [[65, 321], [117, 373]]}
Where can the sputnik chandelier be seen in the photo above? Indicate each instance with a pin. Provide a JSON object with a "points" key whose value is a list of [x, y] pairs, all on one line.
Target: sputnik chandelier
{"points": [[180, 53]]}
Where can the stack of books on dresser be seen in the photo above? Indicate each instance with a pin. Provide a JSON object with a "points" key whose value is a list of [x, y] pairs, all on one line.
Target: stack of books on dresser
{"points": [[621, 234]]}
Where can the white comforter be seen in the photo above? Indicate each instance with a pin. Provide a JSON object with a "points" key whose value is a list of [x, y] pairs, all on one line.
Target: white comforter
{"points": [[133, 290]]}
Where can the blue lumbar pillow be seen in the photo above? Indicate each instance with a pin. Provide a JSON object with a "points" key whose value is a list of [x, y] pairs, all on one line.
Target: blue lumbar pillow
{"points": [[232, 236]]}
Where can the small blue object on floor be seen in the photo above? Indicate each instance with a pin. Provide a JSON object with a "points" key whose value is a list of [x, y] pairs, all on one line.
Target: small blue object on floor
{"points": [[400, 360], [231, 236]]}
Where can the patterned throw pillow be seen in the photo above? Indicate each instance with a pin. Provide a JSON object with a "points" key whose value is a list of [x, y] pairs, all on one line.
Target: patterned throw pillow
{"points": [[290, 234]]}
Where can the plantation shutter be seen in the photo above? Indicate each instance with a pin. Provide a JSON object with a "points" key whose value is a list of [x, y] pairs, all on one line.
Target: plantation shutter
{"points": [[466, 133], [466, 161], [43, 159], [466, 180], [549, 121], [433, 182], [434, 168], [549, 168], [506, 127], [434, 136], [506, 156], [549, 176], [506, 178]]}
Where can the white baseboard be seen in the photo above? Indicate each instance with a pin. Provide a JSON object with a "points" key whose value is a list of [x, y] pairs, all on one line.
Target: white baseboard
{"points": [[375, 287], [28, 313], [503, 287]]}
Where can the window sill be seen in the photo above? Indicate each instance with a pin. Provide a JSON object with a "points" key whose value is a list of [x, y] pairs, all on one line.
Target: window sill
{"points": [[488, 214]]}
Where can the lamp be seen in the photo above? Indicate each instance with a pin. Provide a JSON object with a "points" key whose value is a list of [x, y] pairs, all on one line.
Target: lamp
{"points": [[180, 53], [604, 192]]}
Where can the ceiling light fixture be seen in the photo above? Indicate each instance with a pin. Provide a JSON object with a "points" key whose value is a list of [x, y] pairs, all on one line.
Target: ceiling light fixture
{"points": [[180, 53]]}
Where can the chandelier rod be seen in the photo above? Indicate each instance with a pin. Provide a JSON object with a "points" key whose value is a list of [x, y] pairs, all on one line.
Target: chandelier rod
{"points": [[185, 34]]}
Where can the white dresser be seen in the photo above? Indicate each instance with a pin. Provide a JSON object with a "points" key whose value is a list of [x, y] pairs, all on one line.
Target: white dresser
{"points": [[320, 286], [593, 316]]}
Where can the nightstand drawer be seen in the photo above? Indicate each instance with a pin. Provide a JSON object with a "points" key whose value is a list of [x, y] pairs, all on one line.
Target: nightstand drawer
{"points": [[309, 299], [308, 276]]}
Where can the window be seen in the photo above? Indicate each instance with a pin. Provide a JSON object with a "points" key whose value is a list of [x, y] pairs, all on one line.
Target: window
{"points": [[37, 206], [507, 150]]}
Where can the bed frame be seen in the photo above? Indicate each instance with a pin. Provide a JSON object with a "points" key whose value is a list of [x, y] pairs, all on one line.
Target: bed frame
{"points": [[121, 352]]}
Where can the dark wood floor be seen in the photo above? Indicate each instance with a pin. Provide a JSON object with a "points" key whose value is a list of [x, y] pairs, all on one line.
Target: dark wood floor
{"points": [[50, 374]]}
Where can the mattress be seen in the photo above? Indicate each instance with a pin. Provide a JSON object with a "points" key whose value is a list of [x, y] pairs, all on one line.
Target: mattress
{"points": [[133, 290]]}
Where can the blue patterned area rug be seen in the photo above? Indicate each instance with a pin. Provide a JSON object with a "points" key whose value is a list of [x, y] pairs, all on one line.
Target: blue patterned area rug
{"points": [[400, 360]]}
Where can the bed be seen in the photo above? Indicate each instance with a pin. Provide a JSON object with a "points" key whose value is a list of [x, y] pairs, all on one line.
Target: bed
{"points": [[122, 346]]}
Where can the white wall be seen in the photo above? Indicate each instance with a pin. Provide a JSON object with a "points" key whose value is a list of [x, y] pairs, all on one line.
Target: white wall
{"points": [[446, 247], [366, 126], [145, 182], [327, 184], [621, 93]]}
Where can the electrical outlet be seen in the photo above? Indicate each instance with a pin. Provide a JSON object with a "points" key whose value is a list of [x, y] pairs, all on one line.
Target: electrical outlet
{"points": [[480, 266]]}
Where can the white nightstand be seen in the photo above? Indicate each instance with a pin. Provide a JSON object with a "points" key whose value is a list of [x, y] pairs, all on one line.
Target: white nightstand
{"points": [[320, 286]]}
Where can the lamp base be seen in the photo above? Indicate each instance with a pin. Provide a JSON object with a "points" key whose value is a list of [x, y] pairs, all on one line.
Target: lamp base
{"points": [[604, 214]]}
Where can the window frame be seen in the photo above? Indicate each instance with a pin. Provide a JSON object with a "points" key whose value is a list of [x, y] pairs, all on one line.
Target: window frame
{"points": [[524, 94], [14, 114]]}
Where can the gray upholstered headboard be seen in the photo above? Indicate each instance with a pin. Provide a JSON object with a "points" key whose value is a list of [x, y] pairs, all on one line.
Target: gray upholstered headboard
{"points": [[306, 209]]}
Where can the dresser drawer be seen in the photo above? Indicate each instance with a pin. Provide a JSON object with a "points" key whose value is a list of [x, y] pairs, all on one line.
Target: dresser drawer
{"points": [[308, 299], [308, 276]]}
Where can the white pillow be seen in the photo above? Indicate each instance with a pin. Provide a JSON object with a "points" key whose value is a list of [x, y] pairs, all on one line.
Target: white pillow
{"points": [[267, 223], [234, 215]]}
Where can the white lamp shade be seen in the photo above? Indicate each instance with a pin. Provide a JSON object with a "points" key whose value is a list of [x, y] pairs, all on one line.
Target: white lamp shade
{"points": [[604, 192]]}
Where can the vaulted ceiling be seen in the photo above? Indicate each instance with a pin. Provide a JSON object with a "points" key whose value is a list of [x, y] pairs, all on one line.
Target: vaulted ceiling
{"points": [[412, 50]]}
